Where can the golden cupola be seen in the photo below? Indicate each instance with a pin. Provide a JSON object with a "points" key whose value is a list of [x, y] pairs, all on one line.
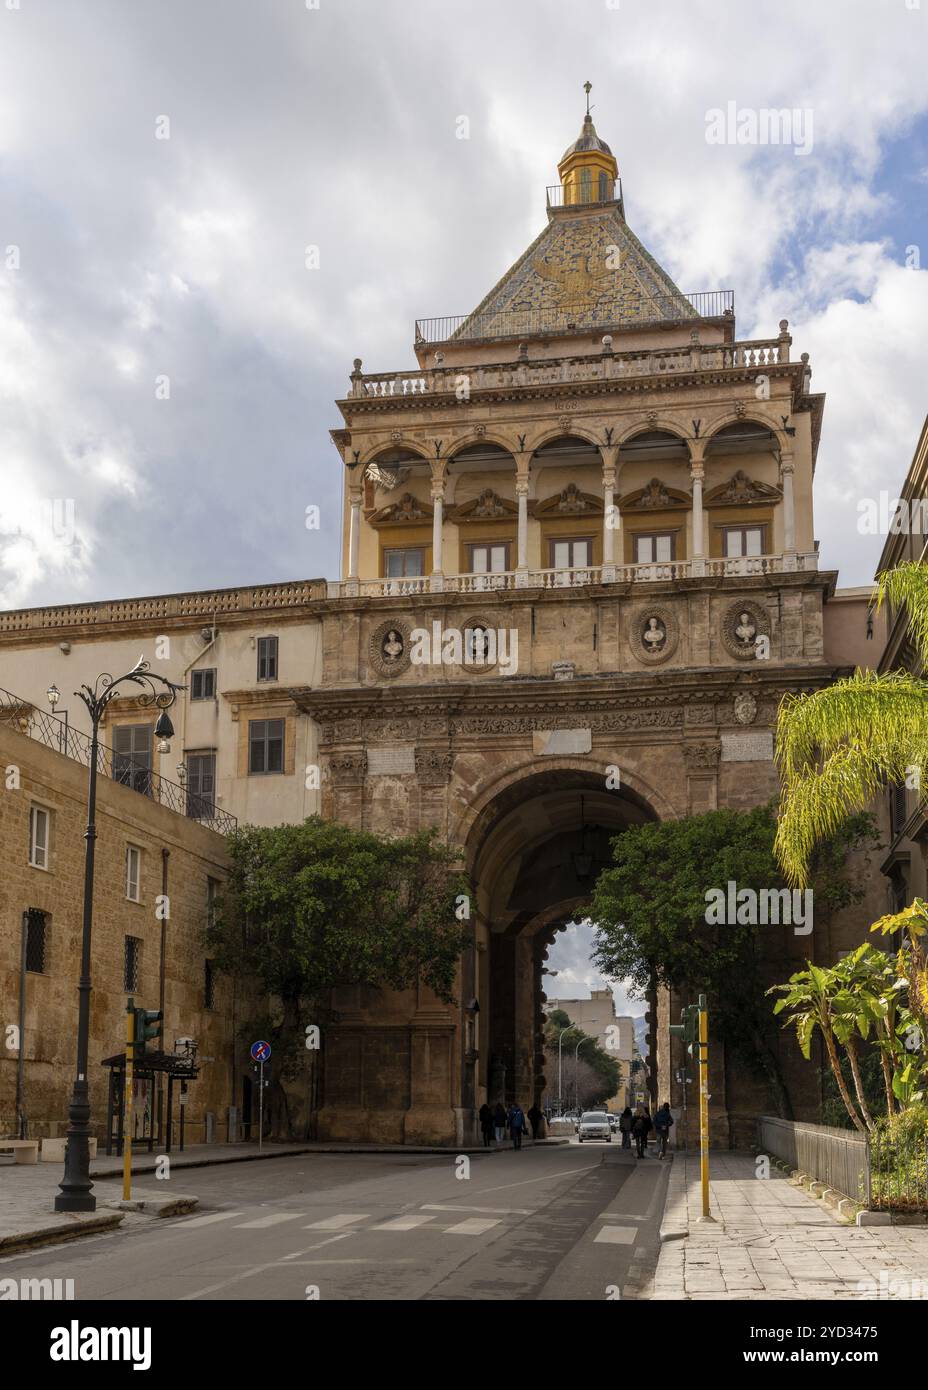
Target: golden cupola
{"points": [[588, 168]]}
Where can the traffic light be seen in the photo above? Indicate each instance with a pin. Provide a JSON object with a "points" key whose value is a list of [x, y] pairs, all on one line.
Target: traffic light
{"points": [[147, 1025], [688, 1030]]}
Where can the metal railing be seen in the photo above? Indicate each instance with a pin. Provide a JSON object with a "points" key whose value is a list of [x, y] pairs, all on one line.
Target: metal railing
{"points": [[513, 323], [898, 1172], [55, 733], [596, 193], [838, 1157]]}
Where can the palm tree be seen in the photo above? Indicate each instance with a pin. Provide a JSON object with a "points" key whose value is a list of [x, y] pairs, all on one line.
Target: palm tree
{"points": [[838, 747], [810, 996]]}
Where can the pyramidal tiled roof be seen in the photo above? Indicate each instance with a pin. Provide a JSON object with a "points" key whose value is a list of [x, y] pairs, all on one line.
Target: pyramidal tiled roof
{"points": [[583, 271]]}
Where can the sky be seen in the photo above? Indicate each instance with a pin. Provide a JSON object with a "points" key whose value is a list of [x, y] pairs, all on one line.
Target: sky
{"points": [[170, 351], [576, 976]]}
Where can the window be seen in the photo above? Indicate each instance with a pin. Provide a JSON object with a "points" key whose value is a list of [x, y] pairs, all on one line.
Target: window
{"points": [[487, 558], [585, 186], [132, 756], [265, 745], [212, 894], [739, 541], [570, 554], [604, 194], [657, 549], [201, 785], [203, 683], [132, 964], [209, 985], [403, 564], [39, 823], [267, 658], [36, 940], [133, 872]]}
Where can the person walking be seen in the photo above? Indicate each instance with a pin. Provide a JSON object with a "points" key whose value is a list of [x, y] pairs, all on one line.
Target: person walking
{"points": [[536, 1120], [499, 1122], [517, 1124], [486, 1124], [662, 1122], [641, 1128], [625, 1127]]}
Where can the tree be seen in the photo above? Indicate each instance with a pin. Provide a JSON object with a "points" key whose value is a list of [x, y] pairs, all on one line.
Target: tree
{"points": [[651, 914], [838, 747], [309, 907], [601, 1072]]}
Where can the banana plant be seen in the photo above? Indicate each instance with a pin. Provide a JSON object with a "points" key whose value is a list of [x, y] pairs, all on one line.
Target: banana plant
{"points": [[809, 996]]}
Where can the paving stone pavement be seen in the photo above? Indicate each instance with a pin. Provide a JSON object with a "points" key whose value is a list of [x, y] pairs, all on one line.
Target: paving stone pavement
{"points": [[772, 1240]]}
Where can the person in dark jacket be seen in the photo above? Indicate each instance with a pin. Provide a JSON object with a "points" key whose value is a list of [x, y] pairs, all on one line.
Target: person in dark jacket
{"points": [[536, 1120], [625, 1127], [499, 1122], [641, 1128], [486, 1125], [517, 1124], [662, 1122]]}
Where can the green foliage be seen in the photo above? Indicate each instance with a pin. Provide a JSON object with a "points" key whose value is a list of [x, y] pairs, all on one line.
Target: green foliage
{"points": [[311, 906], [837, 748]]}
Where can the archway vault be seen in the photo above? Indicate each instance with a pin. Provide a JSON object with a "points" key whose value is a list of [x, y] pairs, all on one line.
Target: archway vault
{"points": [[536, 844]]}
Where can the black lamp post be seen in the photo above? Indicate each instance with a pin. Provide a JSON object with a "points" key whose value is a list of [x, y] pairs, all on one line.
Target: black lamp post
{"points": [[76, 1192]]}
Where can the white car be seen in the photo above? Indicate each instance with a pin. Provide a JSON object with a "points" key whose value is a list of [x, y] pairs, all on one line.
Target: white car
{"points": [[594, 1124]]}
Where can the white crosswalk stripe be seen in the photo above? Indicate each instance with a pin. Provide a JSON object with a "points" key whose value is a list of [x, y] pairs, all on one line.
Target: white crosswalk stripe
{"points": [[616, 1235], [188, 1224], [474, 1227], [337, 1223], [274, 1219], [403, 1223]]}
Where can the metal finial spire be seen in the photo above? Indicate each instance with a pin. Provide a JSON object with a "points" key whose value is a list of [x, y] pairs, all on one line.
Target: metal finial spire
{"points": [[588, 87]]}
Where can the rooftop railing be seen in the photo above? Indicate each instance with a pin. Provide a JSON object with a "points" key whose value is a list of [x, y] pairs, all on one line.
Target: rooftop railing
{"points": [[647, 311], [134, 773]]}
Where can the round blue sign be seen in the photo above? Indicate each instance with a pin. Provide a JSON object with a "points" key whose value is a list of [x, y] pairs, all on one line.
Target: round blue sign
{"points": [[260, 1051]]}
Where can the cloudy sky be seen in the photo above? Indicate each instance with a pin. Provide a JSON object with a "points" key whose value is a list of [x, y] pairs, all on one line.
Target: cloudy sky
{"points": [[165, 167]]}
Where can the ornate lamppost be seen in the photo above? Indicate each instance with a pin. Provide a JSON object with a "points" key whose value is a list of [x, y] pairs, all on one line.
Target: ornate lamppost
{"points": [[76, 1192]]}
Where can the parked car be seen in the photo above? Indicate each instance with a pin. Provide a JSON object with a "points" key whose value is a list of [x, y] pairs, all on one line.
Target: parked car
{"points": [[594, 1124], [613, 1122]]}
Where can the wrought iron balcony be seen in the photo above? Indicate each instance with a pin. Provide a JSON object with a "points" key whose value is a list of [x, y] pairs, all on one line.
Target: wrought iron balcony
{"points": [[46, 728], [591, 194]]}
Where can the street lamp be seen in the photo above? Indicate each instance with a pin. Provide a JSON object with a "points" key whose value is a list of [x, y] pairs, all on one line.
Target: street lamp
{"points": [[53, 695], [76, 1192]]}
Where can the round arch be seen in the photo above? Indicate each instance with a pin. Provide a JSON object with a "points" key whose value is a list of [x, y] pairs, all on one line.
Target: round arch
{"points": [[555, 433], [754, 417]]}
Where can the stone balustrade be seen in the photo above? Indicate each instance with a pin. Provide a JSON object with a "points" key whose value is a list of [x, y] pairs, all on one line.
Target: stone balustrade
{"points": [[259, 598], [439, 380], [566, 579]]}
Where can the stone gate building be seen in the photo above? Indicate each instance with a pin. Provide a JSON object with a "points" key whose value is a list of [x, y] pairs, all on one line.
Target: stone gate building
{"points": [[579, 573]]}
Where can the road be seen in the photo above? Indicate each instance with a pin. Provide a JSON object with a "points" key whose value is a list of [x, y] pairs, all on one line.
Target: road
{"points": [[559, 1222]]}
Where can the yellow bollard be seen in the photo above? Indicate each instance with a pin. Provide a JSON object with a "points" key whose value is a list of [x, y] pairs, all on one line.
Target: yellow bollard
{"points": [[704, 1106], [127, 1110]]}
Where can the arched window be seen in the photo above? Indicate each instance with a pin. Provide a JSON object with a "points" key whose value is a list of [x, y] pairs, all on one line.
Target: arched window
{"points": [[586, 186], [603, 186]]}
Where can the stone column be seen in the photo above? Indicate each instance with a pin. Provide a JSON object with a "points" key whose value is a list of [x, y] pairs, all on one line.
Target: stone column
{"points": [[697, 475], [789, 512], [612, 520], [354, 532], [522, 544], [437, 580]]}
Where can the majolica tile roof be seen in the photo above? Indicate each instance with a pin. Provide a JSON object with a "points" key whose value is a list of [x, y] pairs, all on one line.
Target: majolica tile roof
{"points": [[582, 271]]}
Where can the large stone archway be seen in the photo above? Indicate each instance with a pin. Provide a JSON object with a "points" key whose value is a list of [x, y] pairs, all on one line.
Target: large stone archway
{"points": [[533, 854]]}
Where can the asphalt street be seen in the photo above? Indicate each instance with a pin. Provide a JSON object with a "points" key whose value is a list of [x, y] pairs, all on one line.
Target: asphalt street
{"points": [[559, 1222]]}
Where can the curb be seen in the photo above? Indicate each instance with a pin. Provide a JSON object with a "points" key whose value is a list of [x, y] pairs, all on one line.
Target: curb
{"points": [[157, 1206], [58, 1235], [218, 1159]]}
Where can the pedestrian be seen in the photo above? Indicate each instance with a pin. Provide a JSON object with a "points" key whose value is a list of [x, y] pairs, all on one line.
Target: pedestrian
{"points": [[662, 1122], [499, 1122], [536, 1119], [641, 1128], [625, 1127], [486, 1124], [517, 1123]]}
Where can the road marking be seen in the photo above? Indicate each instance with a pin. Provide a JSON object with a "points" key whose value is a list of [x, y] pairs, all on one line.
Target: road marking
{"points": [[495, 1211], [473, 1227], [188, 1224], [336, 1223], [403, 1223], [549, 1177], [274, 1219], [259, 1269], [617, 1235]]}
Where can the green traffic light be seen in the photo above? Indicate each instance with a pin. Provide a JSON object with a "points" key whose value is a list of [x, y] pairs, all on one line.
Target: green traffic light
{"points": [[147, 1025]]}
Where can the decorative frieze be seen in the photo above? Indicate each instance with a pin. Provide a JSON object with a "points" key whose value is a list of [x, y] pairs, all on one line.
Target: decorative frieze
{"points": [[347, 768], [434, 765], [701, 757]]}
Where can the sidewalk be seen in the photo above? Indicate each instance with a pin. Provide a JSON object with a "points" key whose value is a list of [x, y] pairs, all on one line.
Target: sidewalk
{"points": [[772, 1240]]}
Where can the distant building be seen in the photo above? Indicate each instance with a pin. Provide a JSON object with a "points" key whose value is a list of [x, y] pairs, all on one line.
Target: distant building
{"points": [[615, 1033]]}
